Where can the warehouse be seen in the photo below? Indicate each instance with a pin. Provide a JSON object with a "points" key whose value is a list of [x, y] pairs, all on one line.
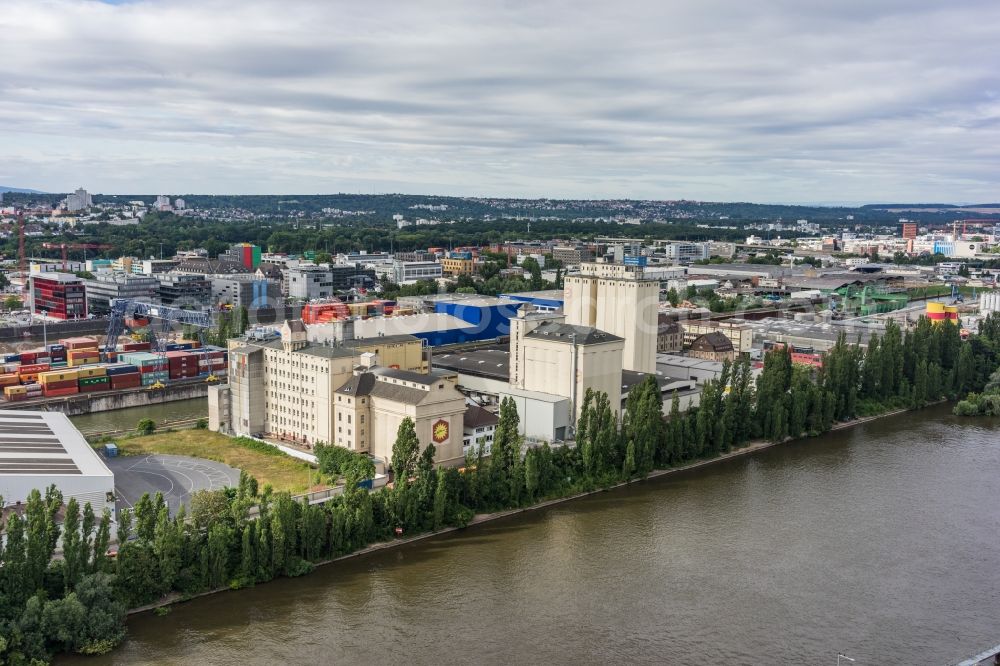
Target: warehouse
{"points": [[38, 449]]}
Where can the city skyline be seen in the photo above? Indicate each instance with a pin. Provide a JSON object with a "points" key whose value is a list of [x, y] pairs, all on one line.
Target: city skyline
{"points": [[844, 103]]}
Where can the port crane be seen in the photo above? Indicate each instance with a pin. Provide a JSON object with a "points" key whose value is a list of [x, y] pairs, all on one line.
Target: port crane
{"points": [[125, 312]]}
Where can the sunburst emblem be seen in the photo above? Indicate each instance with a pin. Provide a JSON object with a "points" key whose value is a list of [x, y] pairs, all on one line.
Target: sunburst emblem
{"points": [[440, 431]]}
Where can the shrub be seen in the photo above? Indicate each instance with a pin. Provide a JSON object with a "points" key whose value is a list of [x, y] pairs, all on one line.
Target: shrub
{"points": [[146, 427]]}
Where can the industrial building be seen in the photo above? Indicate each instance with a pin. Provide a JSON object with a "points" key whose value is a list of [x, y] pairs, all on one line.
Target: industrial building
{"points": [[39, 449], [546, 300], [372, 404], [282, 385], [618, 299]]}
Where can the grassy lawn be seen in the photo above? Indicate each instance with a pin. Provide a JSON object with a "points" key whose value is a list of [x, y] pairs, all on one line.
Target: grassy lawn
{"points": [[281, 471]]}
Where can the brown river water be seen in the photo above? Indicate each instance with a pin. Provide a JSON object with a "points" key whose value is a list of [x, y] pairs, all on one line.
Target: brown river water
{"points": [[880, 541]]}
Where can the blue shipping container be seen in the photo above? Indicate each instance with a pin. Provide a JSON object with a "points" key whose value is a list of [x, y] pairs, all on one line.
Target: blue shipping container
{"points": [[111, 450], [122, 369]]}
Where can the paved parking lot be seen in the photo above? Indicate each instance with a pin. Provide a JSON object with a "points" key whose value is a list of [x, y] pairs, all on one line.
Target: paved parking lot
{"points": [[175, 476]]}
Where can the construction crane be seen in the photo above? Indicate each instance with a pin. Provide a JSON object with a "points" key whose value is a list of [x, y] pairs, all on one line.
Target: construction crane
{"points": [[74, 246], [22, 262]]}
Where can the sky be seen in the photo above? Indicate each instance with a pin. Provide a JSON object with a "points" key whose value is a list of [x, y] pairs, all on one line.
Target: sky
{"points": [[724, 100]]}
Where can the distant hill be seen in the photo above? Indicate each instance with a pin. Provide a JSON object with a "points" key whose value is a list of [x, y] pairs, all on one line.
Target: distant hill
{"points": [[917, 206], [22, 190]]}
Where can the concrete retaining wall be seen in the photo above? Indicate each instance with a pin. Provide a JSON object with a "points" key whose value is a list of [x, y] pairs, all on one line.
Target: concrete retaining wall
{"points": [[75, 405]]}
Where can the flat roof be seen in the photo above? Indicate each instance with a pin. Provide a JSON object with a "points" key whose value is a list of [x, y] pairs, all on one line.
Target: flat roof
{"points": [[489, 363], [544, 294], [45, 444]]}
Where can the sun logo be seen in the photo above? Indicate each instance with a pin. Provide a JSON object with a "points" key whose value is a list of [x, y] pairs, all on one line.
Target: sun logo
{"points": [[440, 431]]}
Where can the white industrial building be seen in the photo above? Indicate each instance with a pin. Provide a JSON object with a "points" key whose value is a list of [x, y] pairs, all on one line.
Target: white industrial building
{"points": [[39, 449]]}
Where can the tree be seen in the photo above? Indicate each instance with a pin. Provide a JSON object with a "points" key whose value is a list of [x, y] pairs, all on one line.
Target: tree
{"points": [[404, 451], [12, 302], [673, 297]]}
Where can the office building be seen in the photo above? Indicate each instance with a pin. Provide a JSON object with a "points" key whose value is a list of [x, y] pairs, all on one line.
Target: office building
{"points": [[184, 290], [246, 255], [685, 253], [408, 272], [106, 286], [458, 263], [58, 295], [246, 291]]}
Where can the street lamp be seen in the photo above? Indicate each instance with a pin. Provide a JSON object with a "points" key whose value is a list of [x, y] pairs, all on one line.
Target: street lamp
{"points": [[843, 656]]}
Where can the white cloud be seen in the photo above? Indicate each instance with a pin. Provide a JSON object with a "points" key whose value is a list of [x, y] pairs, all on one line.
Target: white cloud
{"points": [[772, 100]]}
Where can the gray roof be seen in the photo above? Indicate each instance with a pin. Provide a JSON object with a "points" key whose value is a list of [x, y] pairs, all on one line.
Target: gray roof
{"points": [[358, 385], [477, 417], [489, 363], [409, 376], [379, 340], [714, 342], [584, 335], [397, 393]]}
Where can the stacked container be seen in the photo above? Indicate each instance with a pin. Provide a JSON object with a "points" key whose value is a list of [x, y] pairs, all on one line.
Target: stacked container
{"points": [[29, 373], [124, 376], [81, 351], [92, 384], [59, 382], [57, 353], [136, 346], [32, 390], [10, 379], [182, 364], [14, 393]]}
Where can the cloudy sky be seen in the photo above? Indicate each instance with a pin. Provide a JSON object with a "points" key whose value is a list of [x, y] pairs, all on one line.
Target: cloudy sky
{"points": [[768, 100]]}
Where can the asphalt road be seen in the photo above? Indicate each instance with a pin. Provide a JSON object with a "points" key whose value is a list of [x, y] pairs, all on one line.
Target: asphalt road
{"points": [[177, 477]]}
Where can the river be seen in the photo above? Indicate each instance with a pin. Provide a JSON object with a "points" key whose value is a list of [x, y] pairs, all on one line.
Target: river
{"points": [[880, 541], [126, 419]]}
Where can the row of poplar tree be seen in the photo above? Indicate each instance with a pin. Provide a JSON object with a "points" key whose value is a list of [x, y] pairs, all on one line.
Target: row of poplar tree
{"points": [[244, 535]]}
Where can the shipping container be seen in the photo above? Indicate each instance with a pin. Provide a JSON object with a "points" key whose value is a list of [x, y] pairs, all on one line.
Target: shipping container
{"points": [[93, 371], [121, 369], [95, 388], [58, 384], [12, 358], [14, 390], [52, 393], [119, 382], [91, 381], [34, 368], [58, 375], [82, 342], [111, 450], [136, 346], [12, 379]]}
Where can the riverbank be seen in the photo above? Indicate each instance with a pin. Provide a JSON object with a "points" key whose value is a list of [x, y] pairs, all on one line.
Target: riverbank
{"points": [[480, 519]]}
